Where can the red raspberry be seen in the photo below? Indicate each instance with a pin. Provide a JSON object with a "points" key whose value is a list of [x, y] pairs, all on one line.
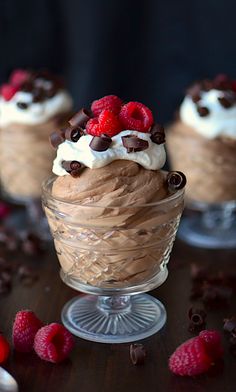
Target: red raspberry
{"points": [[190, 358], [53, 343], [109, 102], [109, 123], [212, 341], [4, 210], [4, 349], [8, 91], [136, 116], [92, 127], [25, 326], [18, 77]]}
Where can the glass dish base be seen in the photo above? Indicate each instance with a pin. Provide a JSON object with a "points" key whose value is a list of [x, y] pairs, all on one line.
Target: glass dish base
{"points": [[114, 319], [210, 226]]}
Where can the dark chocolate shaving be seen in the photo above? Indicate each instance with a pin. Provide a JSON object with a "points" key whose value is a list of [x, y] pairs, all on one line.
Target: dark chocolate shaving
{"points": [[72, 167], [100, 143], [225, 102], [203, 111], [73, 134], [157, 134], [138, 354], [80, 118], [22, 105], [133, 143], [176, 180], [57, 138]]}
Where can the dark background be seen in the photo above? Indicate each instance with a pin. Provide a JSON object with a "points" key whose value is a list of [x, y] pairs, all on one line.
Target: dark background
{"points": [[146, 50]]}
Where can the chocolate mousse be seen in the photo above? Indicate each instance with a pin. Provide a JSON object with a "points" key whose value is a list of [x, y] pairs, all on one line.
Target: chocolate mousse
{"points": [[203, 140]]}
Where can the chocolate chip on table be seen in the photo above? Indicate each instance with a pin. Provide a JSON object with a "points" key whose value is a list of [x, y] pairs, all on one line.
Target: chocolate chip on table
{"points": [[80, 118], [73, 134], [134, 144], [22, 105], [175, 180], [100, 143], [197, 320], [138, 353], [203, 111]]}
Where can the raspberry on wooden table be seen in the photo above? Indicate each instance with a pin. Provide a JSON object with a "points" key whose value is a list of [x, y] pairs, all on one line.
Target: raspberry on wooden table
{"points": [[25, 326], [4, 349]]}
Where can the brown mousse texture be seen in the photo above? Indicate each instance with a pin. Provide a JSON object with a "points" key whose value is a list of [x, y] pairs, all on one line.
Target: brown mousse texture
{"points": [[209, 165]]}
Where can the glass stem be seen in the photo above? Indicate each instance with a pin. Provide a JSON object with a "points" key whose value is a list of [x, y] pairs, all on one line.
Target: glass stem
{"points": [[114, 303]]}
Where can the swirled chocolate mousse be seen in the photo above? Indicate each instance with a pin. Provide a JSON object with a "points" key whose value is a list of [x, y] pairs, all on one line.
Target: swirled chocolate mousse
{"points": [[32, 105], [203, 140], [107, 228]]}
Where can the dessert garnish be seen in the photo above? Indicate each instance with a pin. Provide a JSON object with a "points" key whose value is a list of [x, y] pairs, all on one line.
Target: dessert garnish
{"points": [[197, 355], [197, 320], [176, 180], [72, 167], [110, 130], [138, 353]]}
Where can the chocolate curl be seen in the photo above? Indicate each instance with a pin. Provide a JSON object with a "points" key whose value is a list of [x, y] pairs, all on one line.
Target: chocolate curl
{"points": [[57, 138], [100, 143], [226, 102], [137, 354], [72, 167], [197, 318], [80, 118], [157, 134], [73, 134], [176, 180], [133, 143], [203, 111]]}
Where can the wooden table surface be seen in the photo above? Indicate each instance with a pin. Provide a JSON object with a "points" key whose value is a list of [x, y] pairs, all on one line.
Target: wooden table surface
{"points": [[104, 367]]}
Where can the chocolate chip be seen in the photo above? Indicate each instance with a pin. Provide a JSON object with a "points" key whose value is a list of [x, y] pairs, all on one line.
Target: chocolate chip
{"points": [[203, 111], [72, 167], [157, 134], [100, 143], [138, 354], [226, 103], [56, 138], [80, 118], [73, 134], [176, 180], [22, 105], [230, 324], [134, 144]]}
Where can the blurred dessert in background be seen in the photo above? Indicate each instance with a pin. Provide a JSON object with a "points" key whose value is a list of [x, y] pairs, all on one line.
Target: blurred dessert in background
{"points": [[202, 141], [32, 105]]}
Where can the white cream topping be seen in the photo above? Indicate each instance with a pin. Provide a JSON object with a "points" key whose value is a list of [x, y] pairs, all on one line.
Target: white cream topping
{"points": [[219, 122], [153, 158], [35, 113]]}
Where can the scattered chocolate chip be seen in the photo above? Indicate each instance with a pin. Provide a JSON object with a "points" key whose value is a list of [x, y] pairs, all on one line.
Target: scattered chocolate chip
{"points": [[157, 134], [80, 118], [134, 144], [203, 111], [73, 134], [138, 354], [176, 180], [197, 318], [56, 138], [226, 103], [22, 105], [230, 324], [100, 143]]}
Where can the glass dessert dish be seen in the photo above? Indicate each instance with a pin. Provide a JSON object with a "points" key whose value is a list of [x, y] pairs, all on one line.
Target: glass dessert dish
{"points": [[113, 215], [113, 264], [203, 142], [32, 105]]}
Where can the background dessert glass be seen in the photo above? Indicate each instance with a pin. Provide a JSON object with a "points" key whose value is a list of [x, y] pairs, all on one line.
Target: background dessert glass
{"points": [[32, 105], [203, 142], [113, 265]]}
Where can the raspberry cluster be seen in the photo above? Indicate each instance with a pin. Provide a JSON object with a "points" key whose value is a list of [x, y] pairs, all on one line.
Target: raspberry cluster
{"points": [[111, 116]]}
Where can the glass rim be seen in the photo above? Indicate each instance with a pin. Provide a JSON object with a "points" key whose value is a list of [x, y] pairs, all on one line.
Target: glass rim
{"points": [[47, 181]]}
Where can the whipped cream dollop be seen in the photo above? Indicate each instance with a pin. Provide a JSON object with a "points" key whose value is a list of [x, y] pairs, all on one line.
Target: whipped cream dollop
{"points": [[34, 112], [153, 158], [220, 121]]}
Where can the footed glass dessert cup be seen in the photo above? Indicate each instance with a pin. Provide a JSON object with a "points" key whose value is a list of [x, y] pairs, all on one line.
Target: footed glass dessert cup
{"points": [[113, 255]]}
